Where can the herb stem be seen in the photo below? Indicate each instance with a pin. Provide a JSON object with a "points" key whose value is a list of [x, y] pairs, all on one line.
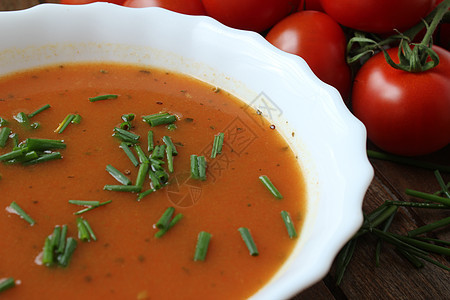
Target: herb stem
{"points": [[429, 227], [407, 161], [427, 196]]}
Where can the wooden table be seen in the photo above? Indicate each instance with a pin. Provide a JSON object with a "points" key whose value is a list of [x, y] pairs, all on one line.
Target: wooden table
{"points": [[395, 278]]}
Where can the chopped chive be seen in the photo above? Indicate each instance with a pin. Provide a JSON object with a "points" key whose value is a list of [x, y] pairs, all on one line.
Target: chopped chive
{"points": [[64, 258], [129, 153], [128, 117], [141, 155], [430, 197], [6, 283], [156, 164], [55, 237], [63, 125], [4, 135], [162, 176], [3, 122], [269, 185], [194, 167], [22, 118], [126, 136], [47, 253], [217, 144], [62, 239], [119, 176], [92, 207], [44, 144], [21, 213], [169, 154], [83, 233], [158, 152], [155, 183], [142, 174], [39, 110], [164, 220], [122, 188], [202, 246], [248, 239], [429, 227], [125, 126], [43, 158], [168, 141], [159, 119], [144, 194], [172, 223], [103, 97], [198, 167], [15, 138], [24, 158], [12, 155], [201, 167], [76, 119], [171, 127], [84, 202], [89, 229], [150, 143], [289, 225]]}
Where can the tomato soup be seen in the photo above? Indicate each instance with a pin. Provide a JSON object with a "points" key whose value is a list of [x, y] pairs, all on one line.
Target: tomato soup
{"points": [[126, 260]]}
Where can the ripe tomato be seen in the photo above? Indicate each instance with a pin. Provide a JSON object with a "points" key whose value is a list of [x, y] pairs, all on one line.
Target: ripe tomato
{"points": [[188, 7], [319, 40], [378, 16], [120, 2], [256, 15], [404, 113]]}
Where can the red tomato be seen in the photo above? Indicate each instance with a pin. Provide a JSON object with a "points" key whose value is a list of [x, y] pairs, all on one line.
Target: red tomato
{"points": [[256, 15], [379, 16], [188, 7], [404, 113], [319, 40], [120, 2], [310, 5]]}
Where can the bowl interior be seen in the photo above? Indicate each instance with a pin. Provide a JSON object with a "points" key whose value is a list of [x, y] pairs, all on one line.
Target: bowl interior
{"points": [[328, 140]]}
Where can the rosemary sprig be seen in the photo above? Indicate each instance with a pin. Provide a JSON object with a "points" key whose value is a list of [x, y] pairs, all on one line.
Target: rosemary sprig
{"points": [[412, 246]]}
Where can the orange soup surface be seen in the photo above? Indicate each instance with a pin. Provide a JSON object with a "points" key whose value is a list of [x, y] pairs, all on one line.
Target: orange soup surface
{"points": [[126, 260]]}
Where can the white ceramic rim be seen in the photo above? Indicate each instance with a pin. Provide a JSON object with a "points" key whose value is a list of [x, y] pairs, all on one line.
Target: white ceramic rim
{"points": [[329, 140]]}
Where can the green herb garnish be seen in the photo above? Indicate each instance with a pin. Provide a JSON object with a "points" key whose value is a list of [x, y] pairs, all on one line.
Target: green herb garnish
{"points": [[269, 185], [201, 248]]}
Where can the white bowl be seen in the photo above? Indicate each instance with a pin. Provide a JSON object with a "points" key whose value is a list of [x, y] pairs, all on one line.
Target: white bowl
{"points": [[330, 142]]}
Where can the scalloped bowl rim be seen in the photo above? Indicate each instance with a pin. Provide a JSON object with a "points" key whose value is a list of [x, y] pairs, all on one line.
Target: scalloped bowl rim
{"points": [[329, 141]]}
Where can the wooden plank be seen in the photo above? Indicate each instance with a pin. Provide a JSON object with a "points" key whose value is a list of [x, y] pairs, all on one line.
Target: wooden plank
{"points": [[17, 4]]}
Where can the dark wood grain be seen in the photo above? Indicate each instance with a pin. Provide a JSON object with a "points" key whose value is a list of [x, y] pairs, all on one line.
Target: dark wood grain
{"points": [[394, 278]]}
